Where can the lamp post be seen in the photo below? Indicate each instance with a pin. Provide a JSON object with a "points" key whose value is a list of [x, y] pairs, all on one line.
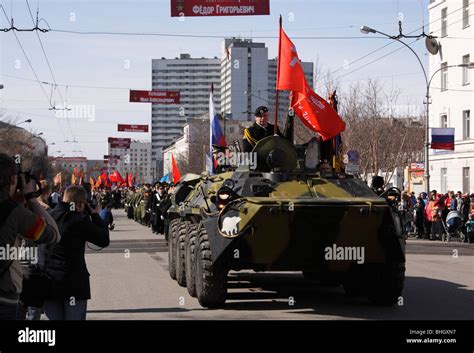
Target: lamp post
{"points": [[367, 30]]}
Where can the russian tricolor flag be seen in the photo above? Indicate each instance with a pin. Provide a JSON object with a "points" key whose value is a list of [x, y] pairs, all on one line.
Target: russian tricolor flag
{"points": [[216, 137], [442, 139]]}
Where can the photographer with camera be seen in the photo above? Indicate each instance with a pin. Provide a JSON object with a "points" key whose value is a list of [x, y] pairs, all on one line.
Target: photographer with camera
{"points": [[65, 263], [21, 217]]}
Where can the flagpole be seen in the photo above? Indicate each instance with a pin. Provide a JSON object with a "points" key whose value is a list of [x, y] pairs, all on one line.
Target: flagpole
{"points": [[275, 128]]}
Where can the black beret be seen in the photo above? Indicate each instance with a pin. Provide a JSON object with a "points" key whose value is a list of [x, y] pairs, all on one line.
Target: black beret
{"points": [[261, 110]]}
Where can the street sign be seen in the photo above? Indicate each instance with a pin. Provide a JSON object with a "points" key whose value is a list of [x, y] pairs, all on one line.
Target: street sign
{"points": [[160, 97], [132, 128], [116, 142], [351, 168], [204, 8], [353, 157]]}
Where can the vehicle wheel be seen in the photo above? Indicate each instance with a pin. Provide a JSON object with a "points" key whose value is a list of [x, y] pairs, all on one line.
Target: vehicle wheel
{"points": [[183, 229], [211, 277], [354, 282], [190, 254], [386, 284], [172, 238], [310, 276]]}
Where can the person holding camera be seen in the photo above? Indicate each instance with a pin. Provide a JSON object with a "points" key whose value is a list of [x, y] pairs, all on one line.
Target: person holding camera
{"points": [[21, 217], [65, 263]]}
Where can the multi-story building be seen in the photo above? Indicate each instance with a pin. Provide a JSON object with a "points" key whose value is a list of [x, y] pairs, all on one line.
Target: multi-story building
{"points": [[452, 94], [248, 79], [136, 160], [70, 164], [193, 78], [244, 77], [284, 96]]}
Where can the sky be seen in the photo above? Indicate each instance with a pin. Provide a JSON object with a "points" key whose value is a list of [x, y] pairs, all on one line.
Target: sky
{"points": [[122, 62]]}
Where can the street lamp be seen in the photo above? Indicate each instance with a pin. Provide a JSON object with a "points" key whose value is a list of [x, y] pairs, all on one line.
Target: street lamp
{"points": [[23, 122], [367, 30]]}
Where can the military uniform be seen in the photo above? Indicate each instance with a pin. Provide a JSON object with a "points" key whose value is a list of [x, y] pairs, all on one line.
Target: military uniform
{"points": [[254, 134]]}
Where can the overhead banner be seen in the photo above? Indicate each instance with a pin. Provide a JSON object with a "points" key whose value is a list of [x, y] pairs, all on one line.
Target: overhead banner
{"points": [[132, 128], [181, 8], [160, 97], [116, 142]]}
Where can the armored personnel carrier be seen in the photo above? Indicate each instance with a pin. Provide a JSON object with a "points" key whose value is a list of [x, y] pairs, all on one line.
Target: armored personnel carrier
{"points": [[284, 215]]}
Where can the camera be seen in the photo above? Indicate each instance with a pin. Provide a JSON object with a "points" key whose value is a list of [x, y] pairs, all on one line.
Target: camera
{"points": [[28, 177]]}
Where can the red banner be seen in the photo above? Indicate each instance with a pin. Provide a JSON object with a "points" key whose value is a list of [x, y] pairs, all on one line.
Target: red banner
{"points": [[180, 8], [116, 142], [161, 97], [132, 128]]}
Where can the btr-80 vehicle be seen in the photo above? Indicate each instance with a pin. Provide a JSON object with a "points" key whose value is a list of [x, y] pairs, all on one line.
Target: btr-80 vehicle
{"points": [[284, 215]]}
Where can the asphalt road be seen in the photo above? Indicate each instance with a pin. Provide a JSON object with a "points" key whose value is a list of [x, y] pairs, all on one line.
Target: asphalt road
{"points": [[130, 281]]}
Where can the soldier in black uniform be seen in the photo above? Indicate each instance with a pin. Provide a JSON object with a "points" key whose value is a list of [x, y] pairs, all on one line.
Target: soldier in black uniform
{"points": [[260, 129]]}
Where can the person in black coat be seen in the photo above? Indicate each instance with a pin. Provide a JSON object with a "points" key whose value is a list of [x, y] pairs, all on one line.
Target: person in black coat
{"points": [[65, 263], [259, 130]]}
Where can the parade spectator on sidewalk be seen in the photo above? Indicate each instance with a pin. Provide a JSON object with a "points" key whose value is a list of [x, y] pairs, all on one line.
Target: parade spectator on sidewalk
{"points": [[420, 218], [65, 263], [21, 217]]}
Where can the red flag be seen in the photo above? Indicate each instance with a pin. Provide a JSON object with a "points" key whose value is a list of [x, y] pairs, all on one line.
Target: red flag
{"points": [[314, 111], [130, 179], [104, 178], [176, 173], [125, 182], [115, 177], [76, 172], [317, 114]]}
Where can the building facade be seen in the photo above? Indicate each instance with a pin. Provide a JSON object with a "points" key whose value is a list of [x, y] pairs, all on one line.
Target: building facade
{"points": [[136, 159], [193, 78], [248, 80], [189, 150], [452, 94]]}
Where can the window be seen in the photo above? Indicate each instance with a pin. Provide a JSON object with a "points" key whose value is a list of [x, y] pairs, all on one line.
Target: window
{"points": [[443, 121], [465, 70], [444, 179], [466, 123], [444, 76], [466, 180], [444, 22], [465, 13]]}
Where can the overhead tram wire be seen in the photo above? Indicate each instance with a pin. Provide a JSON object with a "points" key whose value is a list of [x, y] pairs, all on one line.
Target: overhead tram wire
{"points": [[64, 107], [32, 69], [392, 42], [390, 53]]}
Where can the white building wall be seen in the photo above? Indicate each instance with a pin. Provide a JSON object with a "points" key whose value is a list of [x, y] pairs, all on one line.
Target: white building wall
{"points": [[456, 99]]}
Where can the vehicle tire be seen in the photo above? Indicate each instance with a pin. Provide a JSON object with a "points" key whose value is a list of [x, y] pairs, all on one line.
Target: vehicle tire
{"points": [[354, 281], [190, 254], [310, 276], [172, 238], [211, 277], [183, 229], [386, 284]]}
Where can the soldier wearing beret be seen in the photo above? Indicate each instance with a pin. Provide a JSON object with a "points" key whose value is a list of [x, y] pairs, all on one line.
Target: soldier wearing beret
{"points": [[260, 129]]}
